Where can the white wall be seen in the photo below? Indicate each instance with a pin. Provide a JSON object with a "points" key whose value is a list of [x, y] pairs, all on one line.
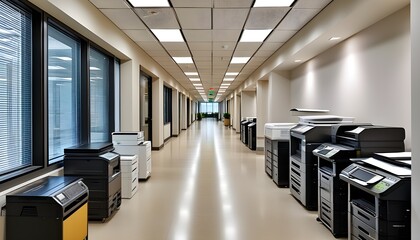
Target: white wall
{"points": [[415, 99], [166, 131], [366, 76], [157, 114], [262, 111], [248, 104], [279, 95]]}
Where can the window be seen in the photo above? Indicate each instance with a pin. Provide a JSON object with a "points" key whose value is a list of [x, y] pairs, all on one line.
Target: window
{"points": [[64, 74], [209, 107], [99, 96], [15, 88], [167, 105]]}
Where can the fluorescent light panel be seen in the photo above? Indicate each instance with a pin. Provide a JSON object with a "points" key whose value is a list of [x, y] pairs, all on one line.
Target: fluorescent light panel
{"points": [[273, 3], [335, 38], [168, 35], [198, 84], [181, 60], [194, 79], [225, 84], [231, 73], [240, 60], [228, 79], [191, 73], [254, 35], [149, 3]]}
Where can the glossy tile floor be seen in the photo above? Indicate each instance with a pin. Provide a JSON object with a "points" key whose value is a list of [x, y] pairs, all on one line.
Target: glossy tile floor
{"points": [[207, 185]]}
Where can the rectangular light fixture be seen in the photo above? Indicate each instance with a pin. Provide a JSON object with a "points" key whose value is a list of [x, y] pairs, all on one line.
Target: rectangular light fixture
{"points": [[224, 87], [183, 60], [240, 60], [335, 38], [228, 79], [255, 35], [194, 79], [225, 84], [168, 35], [149, 3], [191, 73], [197, 84], [273, 3], [199, 88], [231, 73]]}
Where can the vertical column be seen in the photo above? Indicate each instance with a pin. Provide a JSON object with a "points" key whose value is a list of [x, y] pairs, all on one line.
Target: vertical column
{"points": [[262, 111], [415, 117], [279, 97], [157, 113], [175, 112]]}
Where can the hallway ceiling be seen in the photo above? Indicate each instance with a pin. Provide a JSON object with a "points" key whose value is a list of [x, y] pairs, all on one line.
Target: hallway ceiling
{"points": [[211, 33]]}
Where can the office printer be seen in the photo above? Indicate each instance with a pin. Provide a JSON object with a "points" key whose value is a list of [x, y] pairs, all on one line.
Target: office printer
{"points": [[101, 171], [127, 138], [349, 141], [379, 197]]}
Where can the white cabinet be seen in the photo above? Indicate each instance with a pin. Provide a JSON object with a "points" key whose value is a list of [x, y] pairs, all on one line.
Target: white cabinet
{"points": [[129, 175]]}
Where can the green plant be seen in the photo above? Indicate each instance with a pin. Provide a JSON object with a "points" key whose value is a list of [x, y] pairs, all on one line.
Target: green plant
{"points": [[199, 117], [226, 115]]}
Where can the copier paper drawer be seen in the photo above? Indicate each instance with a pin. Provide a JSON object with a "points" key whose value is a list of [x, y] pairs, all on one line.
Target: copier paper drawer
{"points": [[362, 230]]}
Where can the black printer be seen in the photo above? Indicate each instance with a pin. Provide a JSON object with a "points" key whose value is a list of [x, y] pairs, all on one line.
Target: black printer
{"points": [[101, 171], [379, 197], [349, 141]]}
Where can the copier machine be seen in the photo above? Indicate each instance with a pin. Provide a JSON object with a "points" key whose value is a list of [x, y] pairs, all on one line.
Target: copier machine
{"points": [[379, 197], [132, 143], [277, 136], [348, 141], [309, 134], [100, 169]]}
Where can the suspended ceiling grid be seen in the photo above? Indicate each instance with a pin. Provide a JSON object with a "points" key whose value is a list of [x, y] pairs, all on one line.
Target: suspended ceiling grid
{"points": [[211, 30]]}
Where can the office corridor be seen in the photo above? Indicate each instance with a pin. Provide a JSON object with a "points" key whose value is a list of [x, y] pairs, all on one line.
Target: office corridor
{"points": [[207, 185]]}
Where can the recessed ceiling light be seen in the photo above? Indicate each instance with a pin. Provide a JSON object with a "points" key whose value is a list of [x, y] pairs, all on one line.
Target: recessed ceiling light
{"points": [[222, 90], [228, 79], [225, 84], [223, 87], [240, 60], [194, 79], [197, 84], [255, 35], [335, 38], [298, 61], [149, 3], [199, 88], [184, 60], [273, 3], [231, 73], [191, 73], [168, 35]]}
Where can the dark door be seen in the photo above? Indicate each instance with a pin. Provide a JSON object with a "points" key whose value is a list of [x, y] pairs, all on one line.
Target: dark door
{"points": [[146, 105], [188, 112]]}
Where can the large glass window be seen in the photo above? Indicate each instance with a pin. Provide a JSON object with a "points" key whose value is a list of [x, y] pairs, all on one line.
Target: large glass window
{"points": [[63, 92], [15, 88], [99, 97], [206, 107]]}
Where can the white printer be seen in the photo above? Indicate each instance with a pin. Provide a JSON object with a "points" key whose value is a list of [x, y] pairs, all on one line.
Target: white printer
{"points": [[278, 131], [132, 143]]}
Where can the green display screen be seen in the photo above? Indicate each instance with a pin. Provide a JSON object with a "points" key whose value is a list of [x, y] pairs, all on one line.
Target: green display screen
{"points": [[380, 186]]}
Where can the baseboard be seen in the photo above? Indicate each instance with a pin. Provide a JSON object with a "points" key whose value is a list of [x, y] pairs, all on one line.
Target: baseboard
{"points": [[175, 135], [158, 148]]}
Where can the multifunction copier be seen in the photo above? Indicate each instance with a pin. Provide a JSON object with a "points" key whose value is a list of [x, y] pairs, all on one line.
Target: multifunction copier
{"points": [[379, 197], [100, 169], [349, 141], [132, 143], [244, 129], [277, 136], [51, 208], [309, 134]]}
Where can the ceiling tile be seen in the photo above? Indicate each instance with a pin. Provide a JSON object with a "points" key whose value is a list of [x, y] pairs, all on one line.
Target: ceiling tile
{"points": [[265, 18], [297, 18], [180, 46], [198, 35], [263, 53], [243, 53], [199, 46], [204, 71], [157, 53], [110, 3], [163, 59], [233, 3], [229, 18], [176, 53], [140, 35], [226, 35], [312, 4], [223, 46], [201, 53], [150, 45], [202, 58], [227, 53], [194, 18], [124, 18], [271, 46], [247, 46], [235, 67], [203, 65], [158, 18], [192, 3], [280, 35]]}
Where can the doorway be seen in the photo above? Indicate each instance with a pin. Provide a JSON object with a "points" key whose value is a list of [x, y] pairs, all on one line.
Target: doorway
{"points": [[146, 105]]}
